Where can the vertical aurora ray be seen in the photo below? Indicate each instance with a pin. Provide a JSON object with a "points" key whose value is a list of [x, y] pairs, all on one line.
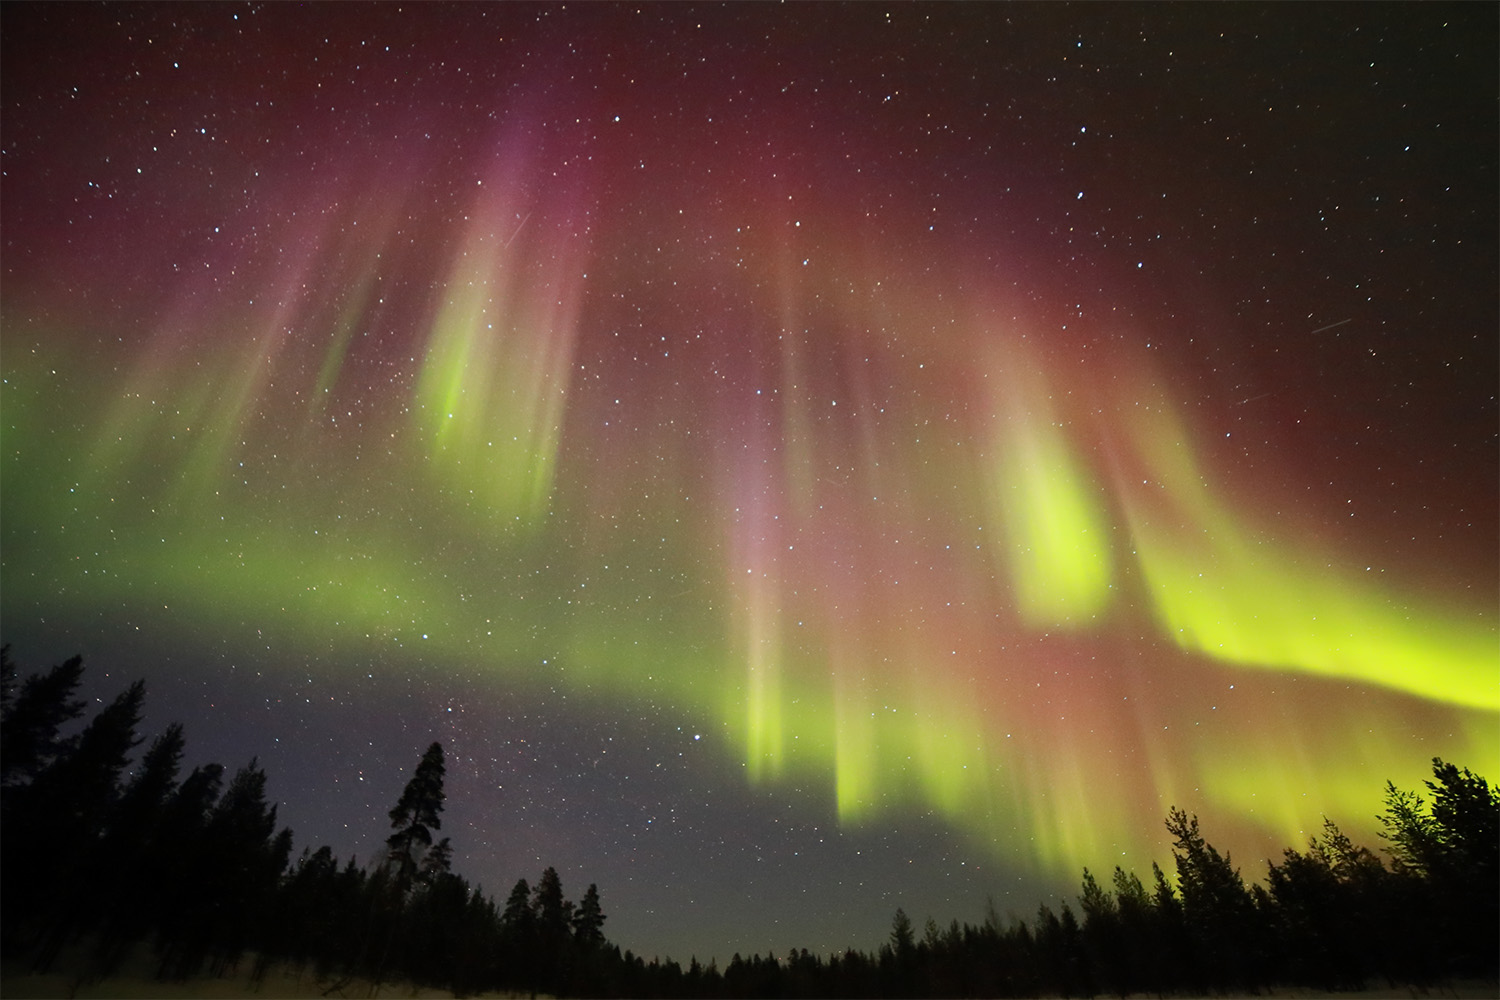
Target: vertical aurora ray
{"points": [[354, 309], [858, 782], [490, 397], [755, 580], [1058, 557]]}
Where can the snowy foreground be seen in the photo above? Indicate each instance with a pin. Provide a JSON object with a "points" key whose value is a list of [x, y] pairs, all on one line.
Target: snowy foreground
{"points": [[286, 982], [135, 980]]}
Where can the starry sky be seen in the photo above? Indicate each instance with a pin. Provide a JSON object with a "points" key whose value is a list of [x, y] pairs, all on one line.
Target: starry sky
{"points": [[800, 461]]}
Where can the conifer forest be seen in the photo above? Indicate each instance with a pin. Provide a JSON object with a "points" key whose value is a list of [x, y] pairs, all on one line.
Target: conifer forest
{"points": [[109, 847]]}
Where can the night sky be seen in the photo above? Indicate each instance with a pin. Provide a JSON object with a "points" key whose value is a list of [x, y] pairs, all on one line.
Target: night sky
{"points": [[799, 460]]}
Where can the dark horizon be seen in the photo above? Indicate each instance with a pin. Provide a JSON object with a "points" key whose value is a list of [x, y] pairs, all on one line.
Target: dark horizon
{"points": [[188, 871]]}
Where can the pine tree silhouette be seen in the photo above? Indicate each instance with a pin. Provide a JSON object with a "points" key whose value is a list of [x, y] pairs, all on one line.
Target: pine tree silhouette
{"points": [[415, 816]]}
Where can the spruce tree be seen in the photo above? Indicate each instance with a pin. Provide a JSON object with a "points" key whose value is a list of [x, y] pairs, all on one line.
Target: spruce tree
{"points": [[1453, 847], [518, 938], [1219, 910], [69, 803], [553, 927], [123, 875], [588, 920], [8, 678], [240, 862], [30, 719], [552, 910]]}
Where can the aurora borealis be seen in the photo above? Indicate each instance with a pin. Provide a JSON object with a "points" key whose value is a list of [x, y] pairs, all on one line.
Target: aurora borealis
{"points": [[800, 461]]}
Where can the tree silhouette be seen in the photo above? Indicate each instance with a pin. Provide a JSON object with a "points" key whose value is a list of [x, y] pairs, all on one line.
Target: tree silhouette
{"points": [[29, 722], [903, 938], [1453, 847], [69, 803], [124, 874], [554, 919], [175, 863], [518, 937], [1141, 933], [1313, 893], [552, 910], [8, 678], [246, 864], [1103, 931], [415, 816], [588, 920], [200, 871], [1410, 832], [1467, 812], [898, 959], [309, 909], [1217, 908], [518, 906], [30, 719]]}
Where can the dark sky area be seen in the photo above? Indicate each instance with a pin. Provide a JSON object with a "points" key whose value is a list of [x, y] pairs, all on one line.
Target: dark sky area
{"points": [[800, 460]]}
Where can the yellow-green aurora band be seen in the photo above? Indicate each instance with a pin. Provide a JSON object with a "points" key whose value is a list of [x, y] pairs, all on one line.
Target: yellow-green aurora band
{"points": [[920, 564]]}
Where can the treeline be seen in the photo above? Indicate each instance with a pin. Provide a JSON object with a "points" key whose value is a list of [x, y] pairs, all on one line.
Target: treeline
{"points": [[96, 866], [1334, 916]]}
